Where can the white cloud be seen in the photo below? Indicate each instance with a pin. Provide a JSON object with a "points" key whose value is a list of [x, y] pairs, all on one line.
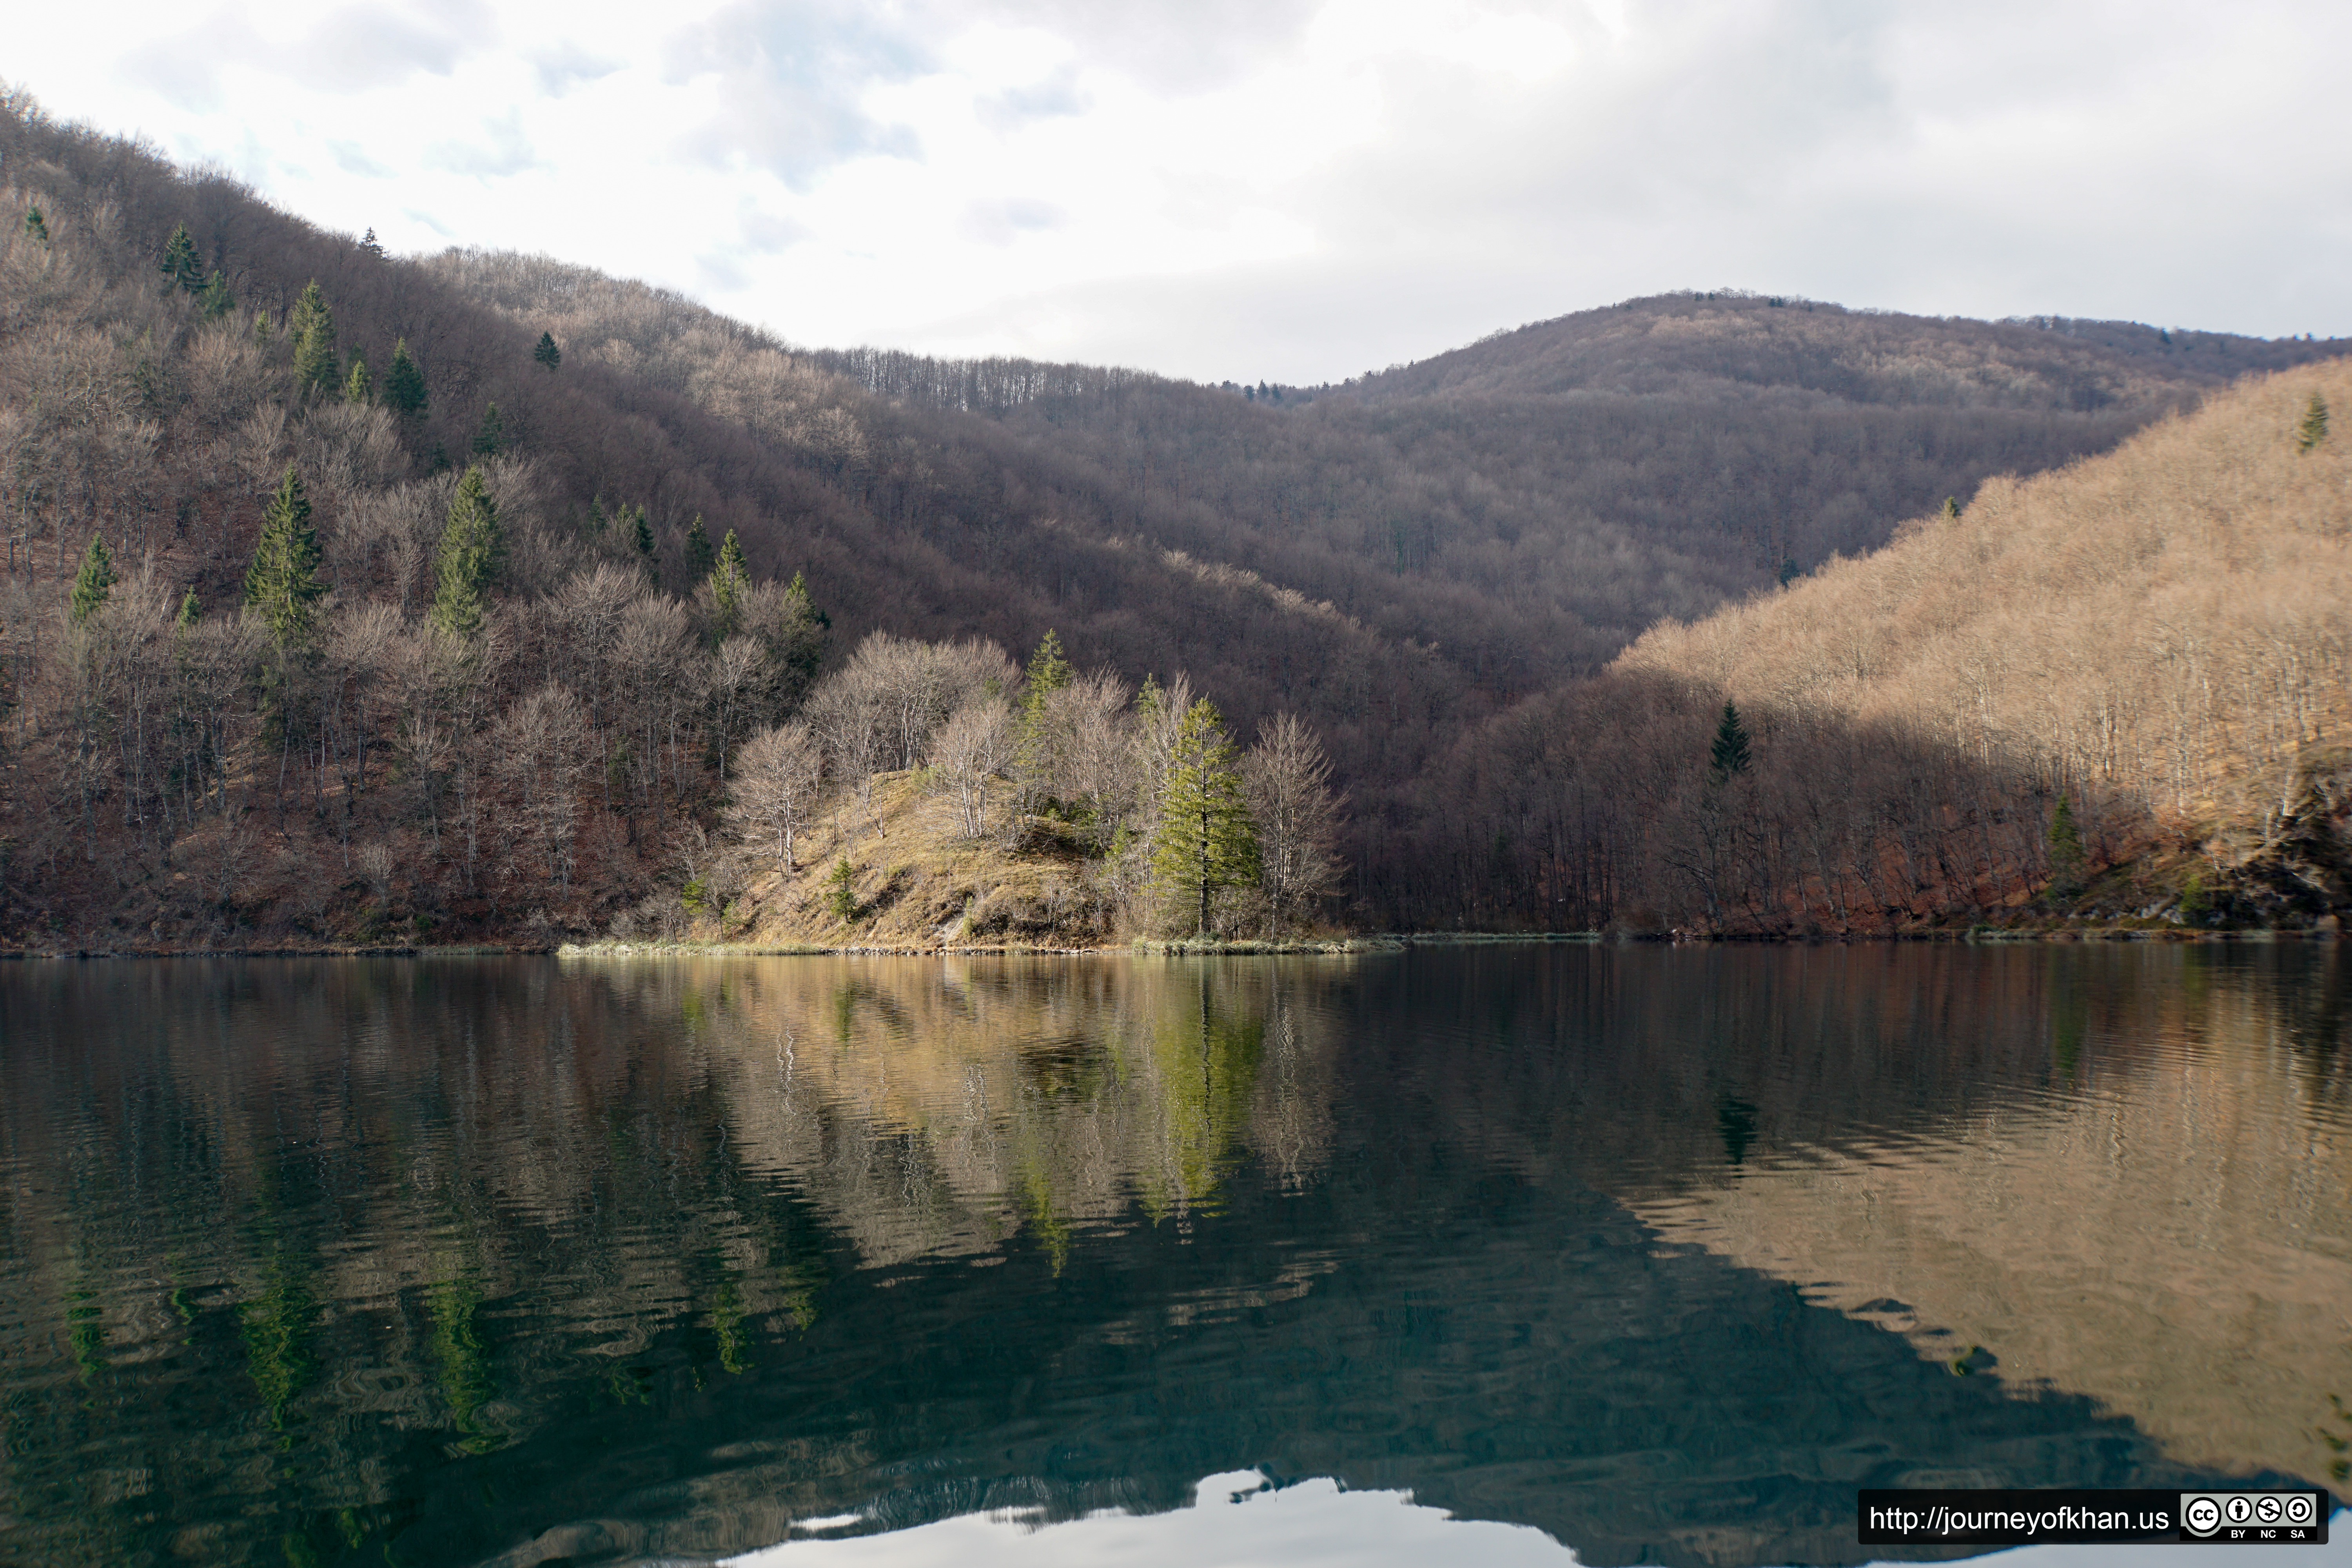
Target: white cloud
{"points": [[351, 160], [786, 83], [566, 65], [499, 151], [1002, 220], [1295, 189]]}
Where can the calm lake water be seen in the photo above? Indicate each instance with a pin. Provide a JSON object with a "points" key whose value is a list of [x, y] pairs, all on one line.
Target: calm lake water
{"points": [[1482, 1255]]}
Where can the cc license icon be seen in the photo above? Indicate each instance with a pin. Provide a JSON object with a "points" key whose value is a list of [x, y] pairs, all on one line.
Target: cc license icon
{"points": [[2269, 1508], [2301, 1508], [2202, 1515], [2238, 1510]]}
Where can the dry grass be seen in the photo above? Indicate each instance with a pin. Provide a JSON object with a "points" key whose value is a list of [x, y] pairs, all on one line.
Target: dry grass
{"points": [[920, 883]]}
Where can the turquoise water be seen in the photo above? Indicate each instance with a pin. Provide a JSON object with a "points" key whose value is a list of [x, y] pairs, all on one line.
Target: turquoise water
{"points": [[1505, 1255]]}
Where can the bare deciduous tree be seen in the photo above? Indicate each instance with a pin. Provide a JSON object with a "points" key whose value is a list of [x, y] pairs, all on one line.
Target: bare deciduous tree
{"points": [[778, 775], [967, 754], [537, 746], [1288, 780]]}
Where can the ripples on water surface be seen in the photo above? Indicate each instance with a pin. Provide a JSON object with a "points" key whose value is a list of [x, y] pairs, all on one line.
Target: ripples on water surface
{"points": [[1653, 1255]]}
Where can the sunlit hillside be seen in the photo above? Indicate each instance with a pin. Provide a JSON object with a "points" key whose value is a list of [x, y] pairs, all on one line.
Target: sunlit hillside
{"points": [[2157, 637]]}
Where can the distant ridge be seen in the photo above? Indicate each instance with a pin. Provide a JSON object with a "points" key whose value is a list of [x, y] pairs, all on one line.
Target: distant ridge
{"points": [[1731, 343]]}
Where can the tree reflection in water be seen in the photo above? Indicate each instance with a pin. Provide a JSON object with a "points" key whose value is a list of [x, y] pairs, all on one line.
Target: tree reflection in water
{"points": [[1661, 1252]]}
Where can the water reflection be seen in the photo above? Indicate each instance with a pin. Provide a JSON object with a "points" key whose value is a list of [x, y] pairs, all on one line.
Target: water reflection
{"points": [[1660, 1253], [934, 1109], [1236, 1521]]}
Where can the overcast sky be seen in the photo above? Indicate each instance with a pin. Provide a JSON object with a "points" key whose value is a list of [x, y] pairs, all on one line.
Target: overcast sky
{"points": [[1295, 190]]}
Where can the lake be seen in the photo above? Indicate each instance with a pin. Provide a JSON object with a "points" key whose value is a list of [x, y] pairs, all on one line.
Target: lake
{"points": [[1490, 1253]]}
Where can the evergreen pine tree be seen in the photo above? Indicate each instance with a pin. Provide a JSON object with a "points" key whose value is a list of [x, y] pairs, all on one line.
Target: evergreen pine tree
{"points": [[547, 353], [598, 521], [2314, 429], [728, 581], [368, 243], [1205, 839], [179, 264], [641, 540], [312, 327], [797, 640], [473, 551], [2067, 859], [191, 611], [1951, 513], [404, 384], [215, 301], [357, 386], [1729, 757], [94, 582], [35, 225], [841, 890], [698, 557], [490, 435], [1048, 672], [282, 585]]}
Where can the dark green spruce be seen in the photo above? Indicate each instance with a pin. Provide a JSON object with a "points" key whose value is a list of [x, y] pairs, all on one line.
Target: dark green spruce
{"points": [[490, 435], [282, 583], [94, 584], [1729, 757], [404, 384], [317, 365], [179, 264], [472, 555]]}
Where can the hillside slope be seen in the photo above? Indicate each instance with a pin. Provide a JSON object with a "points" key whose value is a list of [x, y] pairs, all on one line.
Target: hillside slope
{"points": [[2160, 637], [1521, 508]]}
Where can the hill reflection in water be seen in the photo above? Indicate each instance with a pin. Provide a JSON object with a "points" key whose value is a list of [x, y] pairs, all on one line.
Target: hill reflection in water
{"points": [[1661, 1253]]}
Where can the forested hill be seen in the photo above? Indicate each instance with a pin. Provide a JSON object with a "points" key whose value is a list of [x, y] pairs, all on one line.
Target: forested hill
{"points": [[2118, 692], [1738, 345], [1395, 561], [1522, 508]]}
